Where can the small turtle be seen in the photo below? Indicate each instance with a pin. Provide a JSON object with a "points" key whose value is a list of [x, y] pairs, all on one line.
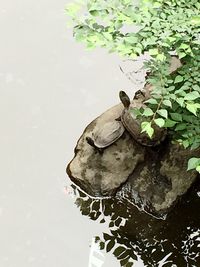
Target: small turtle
{"points": [[133, 125], [106, 135]]}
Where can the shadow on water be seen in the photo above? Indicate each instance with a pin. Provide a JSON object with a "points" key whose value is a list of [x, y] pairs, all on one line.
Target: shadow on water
{"points": [[134, 236]]}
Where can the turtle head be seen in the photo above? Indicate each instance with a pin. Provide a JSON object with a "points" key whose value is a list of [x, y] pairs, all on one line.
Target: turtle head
{"points": [[124, 99]]}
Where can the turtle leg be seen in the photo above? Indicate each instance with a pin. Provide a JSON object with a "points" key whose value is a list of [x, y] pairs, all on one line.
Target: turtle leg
{"points": [[90, 141]]}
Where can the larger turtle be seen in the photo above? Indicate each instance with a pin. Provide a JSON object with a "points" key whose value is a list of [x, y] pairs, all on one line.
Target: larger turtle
{"points": [[133, 124]]}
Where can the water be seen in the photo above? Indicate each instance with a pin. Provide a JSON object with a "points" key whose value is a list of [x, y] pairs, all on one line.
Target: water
{"points": [[50, 89], [134, 237]]}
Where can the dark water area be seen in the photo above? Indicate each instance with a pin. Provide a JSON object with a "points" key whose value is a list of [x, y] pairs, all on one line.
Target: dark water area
{"points": [[135, 238]]}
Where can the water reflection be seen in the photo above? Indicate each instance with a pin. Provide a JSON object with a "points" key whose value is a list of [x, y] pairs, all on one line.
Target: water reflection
{"points": [[134, 236]]}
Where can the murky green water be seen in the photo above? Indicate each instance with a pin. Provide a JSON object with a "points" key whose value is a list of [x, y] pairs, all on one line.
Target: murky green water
{"points": [[133, 237]]}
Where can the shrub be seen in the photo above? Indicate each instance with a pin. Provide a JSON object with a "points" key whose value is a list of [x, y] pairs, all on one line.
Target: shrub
{"points": [[161, 28]]}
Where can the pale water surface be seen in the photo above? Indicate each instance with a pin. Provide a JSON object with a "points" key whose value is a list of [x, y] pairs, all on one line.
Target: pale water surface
{"points": [[50, 89]]}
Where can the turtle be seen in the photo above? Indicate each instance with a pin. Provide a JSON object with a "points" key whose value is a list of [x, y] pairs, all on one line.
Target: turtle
{"points": [[106, 135], [133, 124]]}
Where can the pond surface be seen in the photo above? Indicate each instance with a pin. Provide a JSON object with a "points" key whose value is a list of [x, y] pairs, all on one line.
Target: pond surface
{"points": [[50, 89]]}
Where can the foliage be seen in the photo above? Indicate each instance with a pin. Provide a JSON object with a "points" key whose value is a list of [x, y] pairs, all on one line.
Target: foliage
{"points": [[160, 28]]}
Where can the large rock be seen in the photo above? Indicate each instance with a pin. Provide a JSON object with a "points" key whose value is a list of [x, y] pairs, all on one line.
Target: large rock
{"points": [[101, 174], [152, 178], [158, 182]]}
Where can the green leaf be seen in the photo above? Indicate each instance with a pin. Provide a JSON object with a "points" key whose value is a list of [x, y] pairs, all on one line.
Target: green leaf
{"points": [[171, 88], [186, 144], [195, 145], [181, 126], [146, 127], [148, 112], [192, 96], [169, 123], [188, 118], [131, 39], [195, 20], [160, 122], [167, 103], [157, 5], [94, 13], [163, 113], [161, 57], [193, 163], [182, 54], [192, 108], [135, 112], [172, 96], [184, 46], [144, 124], [151, 101], [178, 79], [196, 87], [153, 52], [180, 101], [176, 116]]}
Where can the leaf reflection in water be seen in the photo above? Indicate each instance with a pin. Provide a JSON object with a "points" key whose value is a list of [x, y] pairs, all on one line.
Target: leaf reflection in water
{"points": [[135, 237]]}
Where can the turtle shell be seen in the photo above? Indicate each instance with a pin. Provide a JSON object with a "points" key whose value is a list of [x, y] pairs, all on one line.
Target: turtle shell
{"points": [[108, 134], [133, 126]]}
